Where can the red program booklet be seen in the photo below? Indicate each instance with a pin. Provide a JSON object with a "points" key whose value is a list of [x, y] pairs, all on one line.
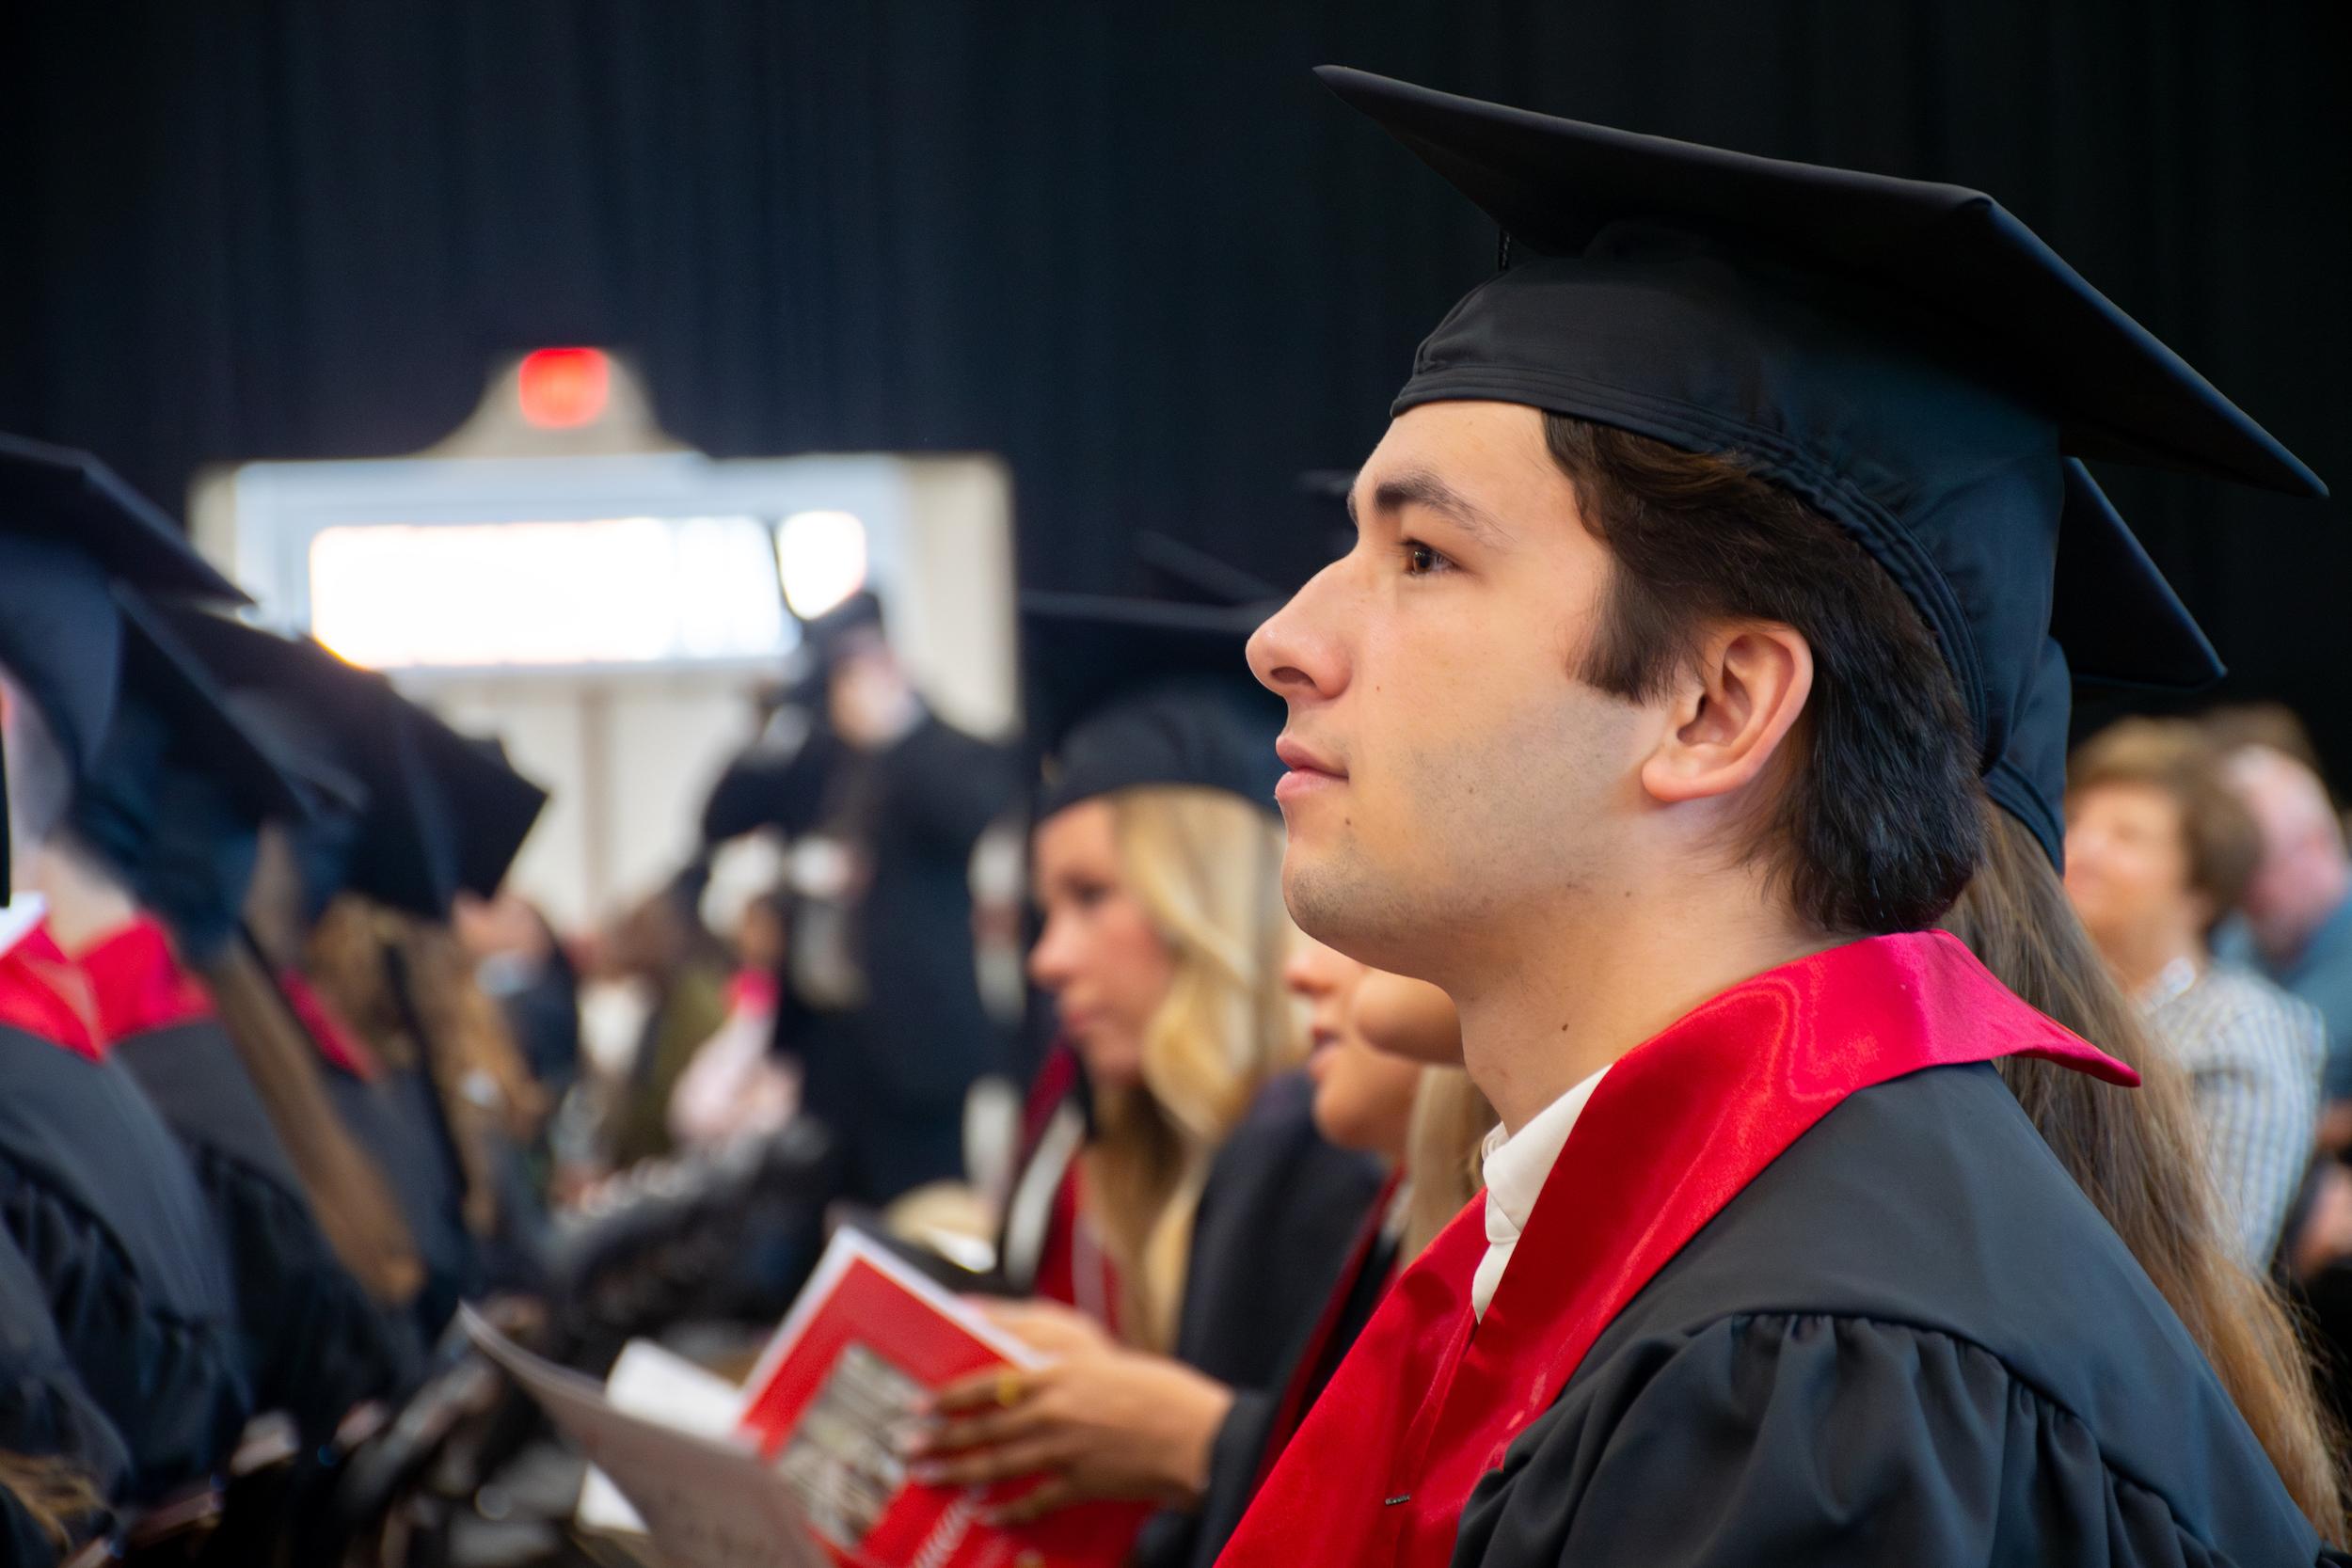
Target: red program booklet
{"points": [[842, 1383]]}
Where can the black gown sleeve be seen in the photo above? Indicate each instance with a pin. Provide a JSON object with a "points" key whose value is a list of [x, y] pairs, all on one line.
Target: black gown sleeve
{"points": [[943, 787], [1771, 1439], [315, 1345], [1278, 1213], [1235, 1460], [775, 786], [412, 1165], [46, 1415], [170, 1383]]}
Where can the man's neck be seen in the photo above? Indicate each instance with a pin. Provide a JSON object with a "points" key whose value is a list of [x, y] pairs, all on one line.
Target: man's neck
{"points": [[1563, 1001], [86, 904]]}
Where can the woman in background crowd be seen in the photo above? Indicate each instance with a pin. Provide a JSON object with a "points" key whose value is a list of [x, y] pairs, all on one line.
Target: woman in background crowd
{"points": [[1111, 1421], [2137, 1157], [2158, 851], [735, 1085], [406, 986], [1222, 1217]]}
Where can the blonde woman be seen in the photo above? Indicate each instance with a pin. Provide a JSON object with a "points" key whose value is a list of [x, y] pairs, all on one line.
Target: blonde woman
{"points": [[1199, 1198], [1108, 1421]]}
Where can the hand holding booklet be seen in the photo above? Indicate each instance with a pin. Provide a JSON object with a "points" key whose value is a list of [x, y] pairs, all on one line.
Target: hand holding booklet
{"points": [[814, 1462]]}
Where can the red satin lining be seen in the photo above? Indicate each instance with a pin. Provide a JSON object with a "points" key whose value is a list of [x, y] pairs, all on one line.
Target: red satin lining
{"points": [[137, 983], [338, 1041], [1429, 1398], [44, 995]]}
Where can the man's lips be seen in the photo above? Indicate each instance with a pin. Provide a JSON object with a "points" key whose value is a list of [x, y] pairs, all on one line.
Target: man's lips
{"points": [[1309, 770]]}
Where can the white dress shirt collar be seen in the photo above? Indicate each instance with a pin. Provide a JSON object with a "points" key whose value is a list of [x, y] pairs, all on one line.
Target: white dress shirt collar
{"points": [[1516, 1166]]}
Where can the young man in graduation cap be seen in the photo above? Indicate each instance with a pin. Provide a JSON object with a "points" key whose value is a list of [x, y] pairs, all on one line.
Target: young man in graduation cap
{"points": [[1704, 583], [94, 1190]]}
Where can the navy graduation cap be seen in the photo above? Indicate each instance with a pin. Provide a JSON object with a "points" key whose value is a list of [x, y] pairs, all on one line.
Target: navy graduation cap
{"points": [[491, 806], [180, 787], [432, 812], [69, 531], [1126, 692], [130, 719], [1906, 357]]}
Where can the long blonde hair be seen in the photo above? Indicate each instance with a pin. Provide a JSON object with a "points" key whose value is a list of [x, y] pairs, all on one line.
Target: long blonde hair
{"points": [[485, 1092], [2139, 1159], [1206, 868], [1442, 1149]]}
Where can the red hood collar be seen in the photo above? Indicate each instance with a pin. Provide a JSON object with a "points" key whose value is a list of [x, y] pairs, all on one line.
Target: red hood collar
{"points": [[40, 990], [137, 982]]}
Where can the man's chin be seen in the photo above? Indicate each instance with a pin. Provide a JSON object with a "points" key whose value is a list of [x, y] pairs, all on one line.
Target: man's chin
{"points": [[1345, 905]]}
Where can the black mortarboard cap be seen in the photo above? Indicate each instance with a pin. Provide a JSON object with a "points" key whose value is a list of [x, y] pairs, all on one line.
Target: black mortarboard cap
{"points": [[490, 806], [425, 811], [398, 847], [69, 528], [174, 800], [70, 497], [1906, 357], [1127, 692], [70, 534]]}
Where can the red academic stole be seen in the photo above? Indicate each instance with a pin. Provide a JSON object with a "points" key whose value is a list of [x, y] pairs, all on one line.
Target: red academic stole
{"points": [[137, 981], [45, 996], [1299, 1389], [1430, 1396]]}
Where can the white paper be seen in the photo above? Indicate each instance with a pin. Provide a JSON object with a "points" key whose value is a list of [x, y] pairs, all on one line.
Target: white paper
{"points": [[651, 1381], [708, 1503]]}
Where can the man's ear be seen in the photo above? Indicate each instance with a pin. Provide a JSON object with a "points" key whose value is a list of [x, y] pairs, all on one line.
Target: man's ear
{"points": [[1735, 703]]}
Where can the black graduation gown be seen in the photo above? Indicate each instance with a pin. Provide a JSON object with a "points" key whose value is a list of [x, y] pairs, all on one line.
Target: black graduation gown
{"points": [[1247, 1442], [315, 1345], [97, 1195], [45, 1412], [386, 1117], [1278, 1216], [889, 1076], [1912, 1340]]}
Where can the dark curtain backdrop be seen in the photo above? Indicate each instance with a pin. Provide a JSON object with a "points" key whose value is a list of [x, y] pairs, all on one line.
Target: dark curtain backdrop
{"points": [[1134, 248]]}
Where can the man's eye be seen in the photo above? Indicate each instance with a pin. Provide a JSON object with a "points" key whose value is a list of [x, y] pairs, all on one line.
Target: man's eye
{"points": [[1421, 561]]}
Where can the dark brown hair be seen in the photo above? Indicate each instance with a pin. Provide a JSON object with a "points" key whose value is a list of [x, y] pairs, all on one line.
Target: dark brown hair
{"points": [[2137, 1155], [1876, 829], [2177, 758]]}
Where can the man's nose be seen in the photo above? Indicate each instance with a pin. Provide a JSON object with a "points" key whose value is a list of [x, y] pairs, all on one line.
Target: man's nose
{"points": [[1296, 653]]}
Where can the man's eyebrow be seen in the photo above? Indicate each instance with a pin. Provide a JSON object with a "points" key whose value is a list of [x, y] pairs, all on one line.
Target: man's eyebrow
{"points": [[1420, 487]]}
